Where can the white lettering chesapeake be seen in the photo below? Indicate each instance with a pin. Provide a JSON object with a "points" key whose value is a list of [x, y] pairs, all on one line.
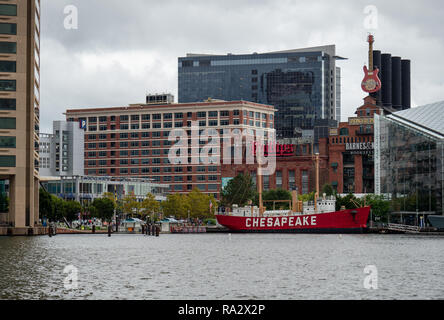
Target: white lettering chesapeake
{"points": [[255, 222], [248, 223], [284, 221], [262, 224], [313, 220], [269, 222]]}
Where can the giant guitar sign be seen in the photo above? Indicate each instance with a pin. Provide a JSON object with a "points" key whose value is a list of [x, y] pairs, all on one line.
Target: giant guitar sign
{"points": [[371, 82]]}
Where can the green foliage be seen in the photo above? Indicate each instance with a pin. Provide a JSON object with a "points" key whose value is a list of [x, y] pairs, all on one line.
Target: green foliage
{"points": [[46, 205], [54, 208], [306, 197], [328, 190], [196, 204], [210, 221], [380, 207], [239, 190], [103, 208], [71, 210], [130, 205], [176, 205], [345, 202], [200, 204], [149, 205], [278, 194]]}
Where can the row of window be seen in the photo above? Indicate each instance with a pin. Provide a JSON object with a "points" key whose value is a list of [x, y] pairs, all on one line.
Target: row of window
{"points": [[350, 140], [167, 125], [169, 116]]}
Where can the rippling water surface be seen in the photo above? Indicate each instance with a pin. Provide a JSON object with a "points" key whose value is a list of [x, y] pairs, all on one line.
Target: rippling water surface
{"points": [[222, 266]]}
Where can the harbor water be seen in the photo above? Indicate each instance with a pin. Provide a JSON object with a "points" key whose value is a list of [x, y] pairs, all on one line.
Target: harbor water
{"points": [[222, 266]]}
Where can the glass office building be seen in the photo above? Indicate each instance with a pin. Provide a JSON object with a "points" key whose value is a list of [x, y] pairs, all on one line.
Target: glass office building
{"points": [[303, 85], [409, 154]]}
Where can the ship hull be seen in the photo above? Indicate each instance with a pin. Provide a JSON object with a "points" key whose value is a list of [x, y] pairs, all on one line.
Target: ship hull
{"points": [[346, 221]]}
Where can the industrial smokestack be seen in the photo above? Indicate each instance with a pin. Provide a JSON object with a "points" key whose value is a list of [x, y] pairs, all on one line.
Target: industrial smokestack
{"points": [[396, 83], [406, 82], [377, 64], [386, 90]]}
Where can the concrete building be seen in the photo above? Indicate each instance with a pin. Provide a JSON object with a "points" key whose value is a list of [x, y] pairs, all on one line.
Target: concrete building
{"points": [[133, 141], [19, 119], [302, 84], [62, 152], [85, 189]]}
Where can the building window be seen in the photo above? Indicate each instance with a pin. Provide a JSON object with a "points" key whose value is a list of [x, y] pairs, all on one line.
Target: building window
{"points": [[7, 104], [7, 123], [8, 85], [7, 161], [7, 66], [7, 142], [279, 179], [304, 182], [343, 132], [291, 180], [8, 28], [8, 10]]}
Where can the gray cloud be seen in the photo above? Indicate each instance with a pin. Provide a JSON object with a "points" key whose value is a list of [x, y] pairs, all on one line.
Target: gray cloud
{"points": [[124, 49]]}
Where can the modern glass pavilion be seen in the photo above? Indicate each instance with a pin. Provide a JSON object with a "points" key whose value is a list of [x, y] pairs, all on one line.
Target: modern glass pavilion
{"points": [[409, 153]]}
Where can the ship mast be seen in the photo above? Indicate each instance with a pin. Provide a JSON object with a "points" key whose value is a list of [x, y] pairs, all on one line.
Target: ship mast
{"points": [[317, 182], [259, 189]]}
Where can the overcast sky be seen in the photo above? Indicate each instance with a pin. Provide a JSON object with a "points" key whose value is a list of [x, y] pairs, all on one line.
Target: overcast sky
{"points": [[124, 49]]}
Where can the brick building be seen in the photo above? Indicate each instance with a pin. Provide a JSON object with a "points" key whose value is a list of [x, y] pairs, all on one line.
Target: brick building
{"points": [[350, 151], [294, 168], [133, 141]]}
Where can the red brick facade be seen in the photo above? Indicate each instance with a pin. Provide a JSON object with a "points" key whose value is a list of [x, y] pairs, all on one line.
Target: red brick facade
{"points": [[350, 151], [294, 171]]}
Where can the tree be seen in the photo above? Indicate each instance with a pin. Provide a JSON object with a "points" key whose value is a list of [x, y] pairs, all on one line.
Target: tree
{"points": [[130, 205], [176, 205], [239, 190], [349, 202], [103, 208], [46, 205], [59, 208], [380, 206], [328, 190], [71, 210], [110, 196], [149, 205], [200, 204], [278, 194]]}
